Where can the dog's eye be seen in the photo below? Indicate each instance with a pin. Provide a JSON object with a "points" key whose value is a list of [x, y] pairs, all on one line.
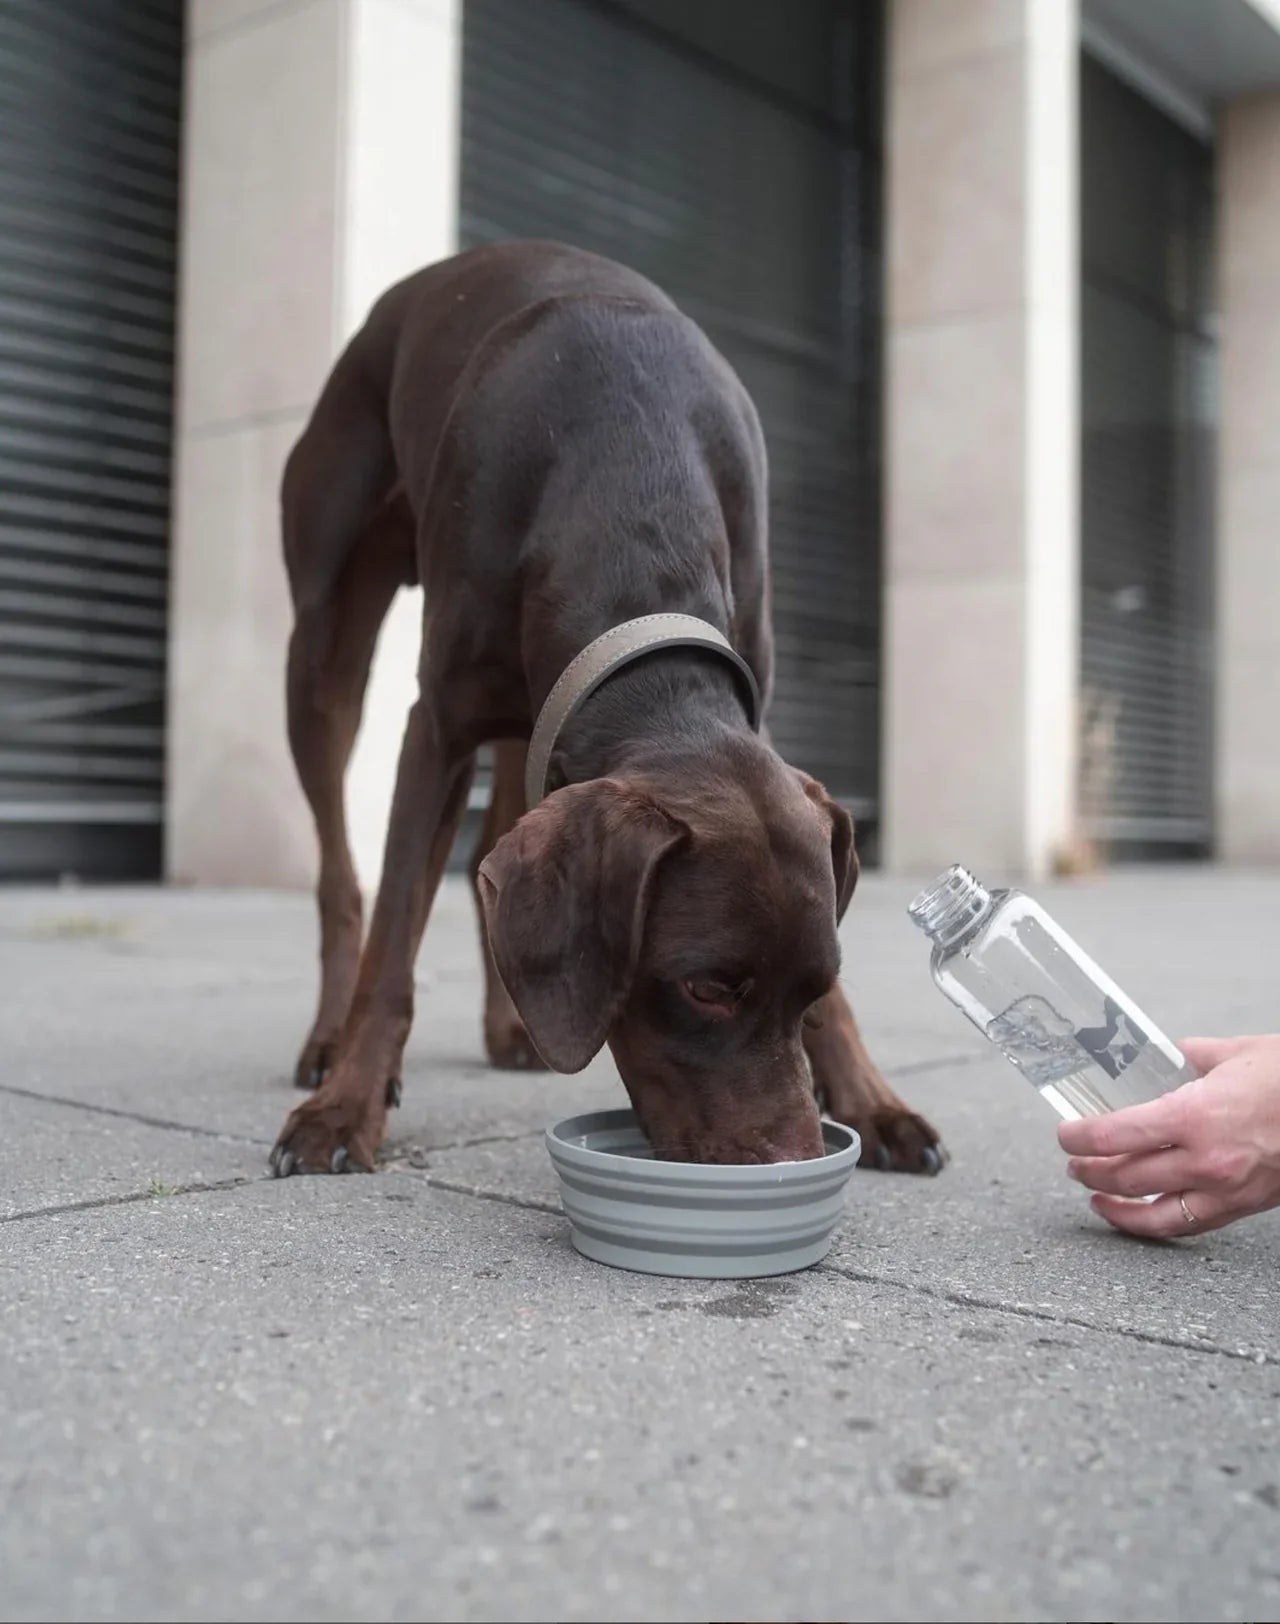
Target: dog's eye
{"points": [[710, 992], [715, 997]]}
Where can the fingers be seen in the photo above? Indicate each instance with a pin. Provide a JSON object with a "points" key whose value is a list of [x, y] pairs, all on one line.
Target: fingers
{"points": [[1152, 1174], [1197, 1145], [1206, 1053], [1139, 1128], [1163, 1220]]}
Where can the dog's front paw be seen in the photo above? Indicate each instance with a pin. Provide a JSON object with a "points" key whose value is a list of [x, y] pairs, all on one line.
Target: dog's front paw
{"points": [[895, 1140], [338, 1130]]}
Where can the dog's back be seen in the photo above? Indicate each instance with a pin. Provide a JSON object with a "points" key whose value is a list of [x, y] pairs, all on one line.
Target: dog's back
{"points": [[548, 348], [423, 334], [533, 397]]}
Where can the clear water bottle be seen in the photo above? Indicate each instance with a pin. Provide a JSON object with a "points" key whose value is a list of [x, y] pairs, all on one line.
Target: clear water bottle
{"points": [[1042, 1001]]}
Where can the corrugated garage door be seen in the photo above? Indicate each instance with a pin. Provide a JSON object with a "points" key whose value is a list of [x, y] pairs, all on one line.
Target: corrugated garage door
{"points": [[89, 148], [729, 150], [1149, 403]]}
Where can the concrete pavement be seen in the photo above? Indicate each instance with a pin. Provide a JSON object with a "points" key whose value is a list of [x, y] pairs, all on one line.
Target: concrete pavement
{"points": [[406, 1397]]}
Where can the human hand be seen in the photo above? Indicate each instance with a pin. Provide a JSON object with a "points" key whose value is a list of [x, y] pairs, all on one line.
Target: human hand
{"points": [[1213, 1144]]}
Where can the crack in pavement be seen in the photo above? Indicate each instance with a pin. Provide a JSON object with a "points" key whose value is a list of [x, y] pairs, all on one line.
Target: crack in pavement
{"points": [[230, 1136], [131, 1116], [400, 1162], [503, 1198], [394, 1161], [1048, 1316], [957, 1298], [953, 1296], [399, 1155], [134, 1196]]}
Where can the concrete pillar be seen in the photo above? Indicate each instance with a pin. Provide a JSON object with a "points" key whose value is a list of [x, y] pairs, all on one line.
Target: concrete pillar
{"points": [[321, 165], [981, 434], [1248, 589]]}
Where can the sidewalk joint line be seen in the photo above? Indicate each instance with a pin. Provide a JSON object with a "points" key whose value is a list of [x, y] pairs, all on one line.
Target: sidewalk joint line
{"points": [[526, 1203], [128, 1200], [1049, 1316], [953, 1296], [130, 1116]]}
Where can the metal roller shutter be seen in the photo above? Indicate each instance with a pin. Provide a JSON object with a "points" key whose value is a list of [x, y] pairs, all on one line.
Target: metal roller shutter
{"points": [[89, 149], [1149, 409], [730, 151]]}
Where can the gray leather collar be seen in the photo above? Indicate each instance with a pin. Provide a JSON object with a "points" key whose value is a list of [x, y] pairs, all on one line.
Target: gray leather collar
{"points": [[618, 647]]}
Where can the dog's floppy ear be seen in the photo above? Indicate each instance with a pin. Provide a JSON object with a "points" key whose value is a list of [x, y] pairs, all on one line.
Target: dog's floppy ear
{"points": [[565, 895], [844, 859]]}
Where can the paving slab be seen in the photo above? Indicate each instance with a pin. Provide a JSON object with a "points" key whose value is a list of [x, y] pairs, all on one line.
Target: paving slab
{"points": [[190, 1007], [1001, 1224], [53, 1155], [406, 1397], [193, 1014], [365, 1398]]}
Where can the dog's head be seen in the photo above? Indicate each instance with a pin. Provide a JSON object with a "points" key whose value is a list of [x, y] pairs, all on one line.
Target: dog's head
{"points": [[688, 918]]}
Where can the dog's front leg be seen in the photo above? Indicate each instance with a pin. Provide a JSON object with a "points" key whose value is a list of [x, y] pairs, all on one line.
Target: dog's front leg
{"points": [[342, 1125], [851, 1090]]}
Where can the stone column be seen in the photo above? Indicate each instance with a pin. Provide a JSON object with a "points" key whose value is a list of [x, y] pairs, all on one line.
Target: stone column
{"points": [[1248, 588], [982, 434], [321, 164]]}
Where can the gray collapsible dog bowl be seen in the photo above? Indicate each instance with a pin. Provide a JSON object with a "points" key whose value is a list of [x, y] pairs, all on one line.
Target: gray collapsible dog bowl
{"points": [[721, 1222]]}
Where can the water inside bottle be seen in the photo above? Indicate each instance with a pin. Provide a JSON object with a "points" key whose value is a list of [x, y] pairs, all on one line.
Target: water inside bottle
{"points": [[1084, 1052]]}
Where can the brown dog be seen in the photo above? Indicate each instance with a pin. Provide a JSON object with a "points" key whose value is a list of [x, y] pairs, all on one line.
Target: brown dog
{"points": [[550, 448]]}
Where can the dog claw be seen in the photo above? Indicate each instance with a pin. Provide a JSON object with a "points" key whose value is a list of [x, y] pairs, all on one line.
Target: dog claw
{"points": [[884, 1161], [932, 1159], [393, 1092], [340, 1160], [282, 1162]]}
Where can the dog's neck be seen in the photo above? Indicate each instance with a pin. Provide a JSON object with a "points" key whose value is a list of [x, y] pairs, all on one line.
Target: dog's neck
{"points": [[673, 699], [592, 566]]}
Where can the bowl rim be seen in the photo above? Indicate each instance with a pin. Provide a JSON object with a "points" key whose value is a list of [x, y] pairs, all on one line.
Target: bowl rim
{"points": [[841, 1158]]}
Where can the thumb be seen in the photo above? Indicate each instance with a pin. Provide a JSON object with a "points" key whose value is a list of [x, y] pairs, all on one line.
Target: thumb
{"points": [[1206, 1053]]}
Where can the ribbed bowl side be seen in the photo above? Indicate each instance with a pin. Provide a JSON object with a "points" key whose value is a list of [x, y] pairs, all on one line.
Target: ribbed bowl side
{"points": [[669, 1218]]}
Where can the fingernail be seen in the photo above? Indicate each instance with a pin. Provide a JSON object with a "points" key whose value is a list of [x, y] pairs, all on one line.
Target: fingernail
{"points": [[1073, 1170]]}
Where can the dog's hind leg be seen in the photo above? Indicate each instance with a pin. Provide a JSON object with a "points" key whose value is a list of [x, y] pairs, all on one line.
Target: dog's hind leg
{"points": [[330, 654], [347, 550]]}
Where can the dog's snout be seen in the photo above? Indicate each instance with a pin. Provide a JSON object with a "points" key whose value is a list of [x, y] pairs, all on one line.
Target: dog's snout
{"points": [[733, 1137]]}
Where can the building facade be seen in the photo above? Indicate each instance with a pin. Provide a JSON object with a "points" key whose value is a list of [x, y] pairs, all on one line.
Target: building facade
{"points": [[1003, 277]]}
